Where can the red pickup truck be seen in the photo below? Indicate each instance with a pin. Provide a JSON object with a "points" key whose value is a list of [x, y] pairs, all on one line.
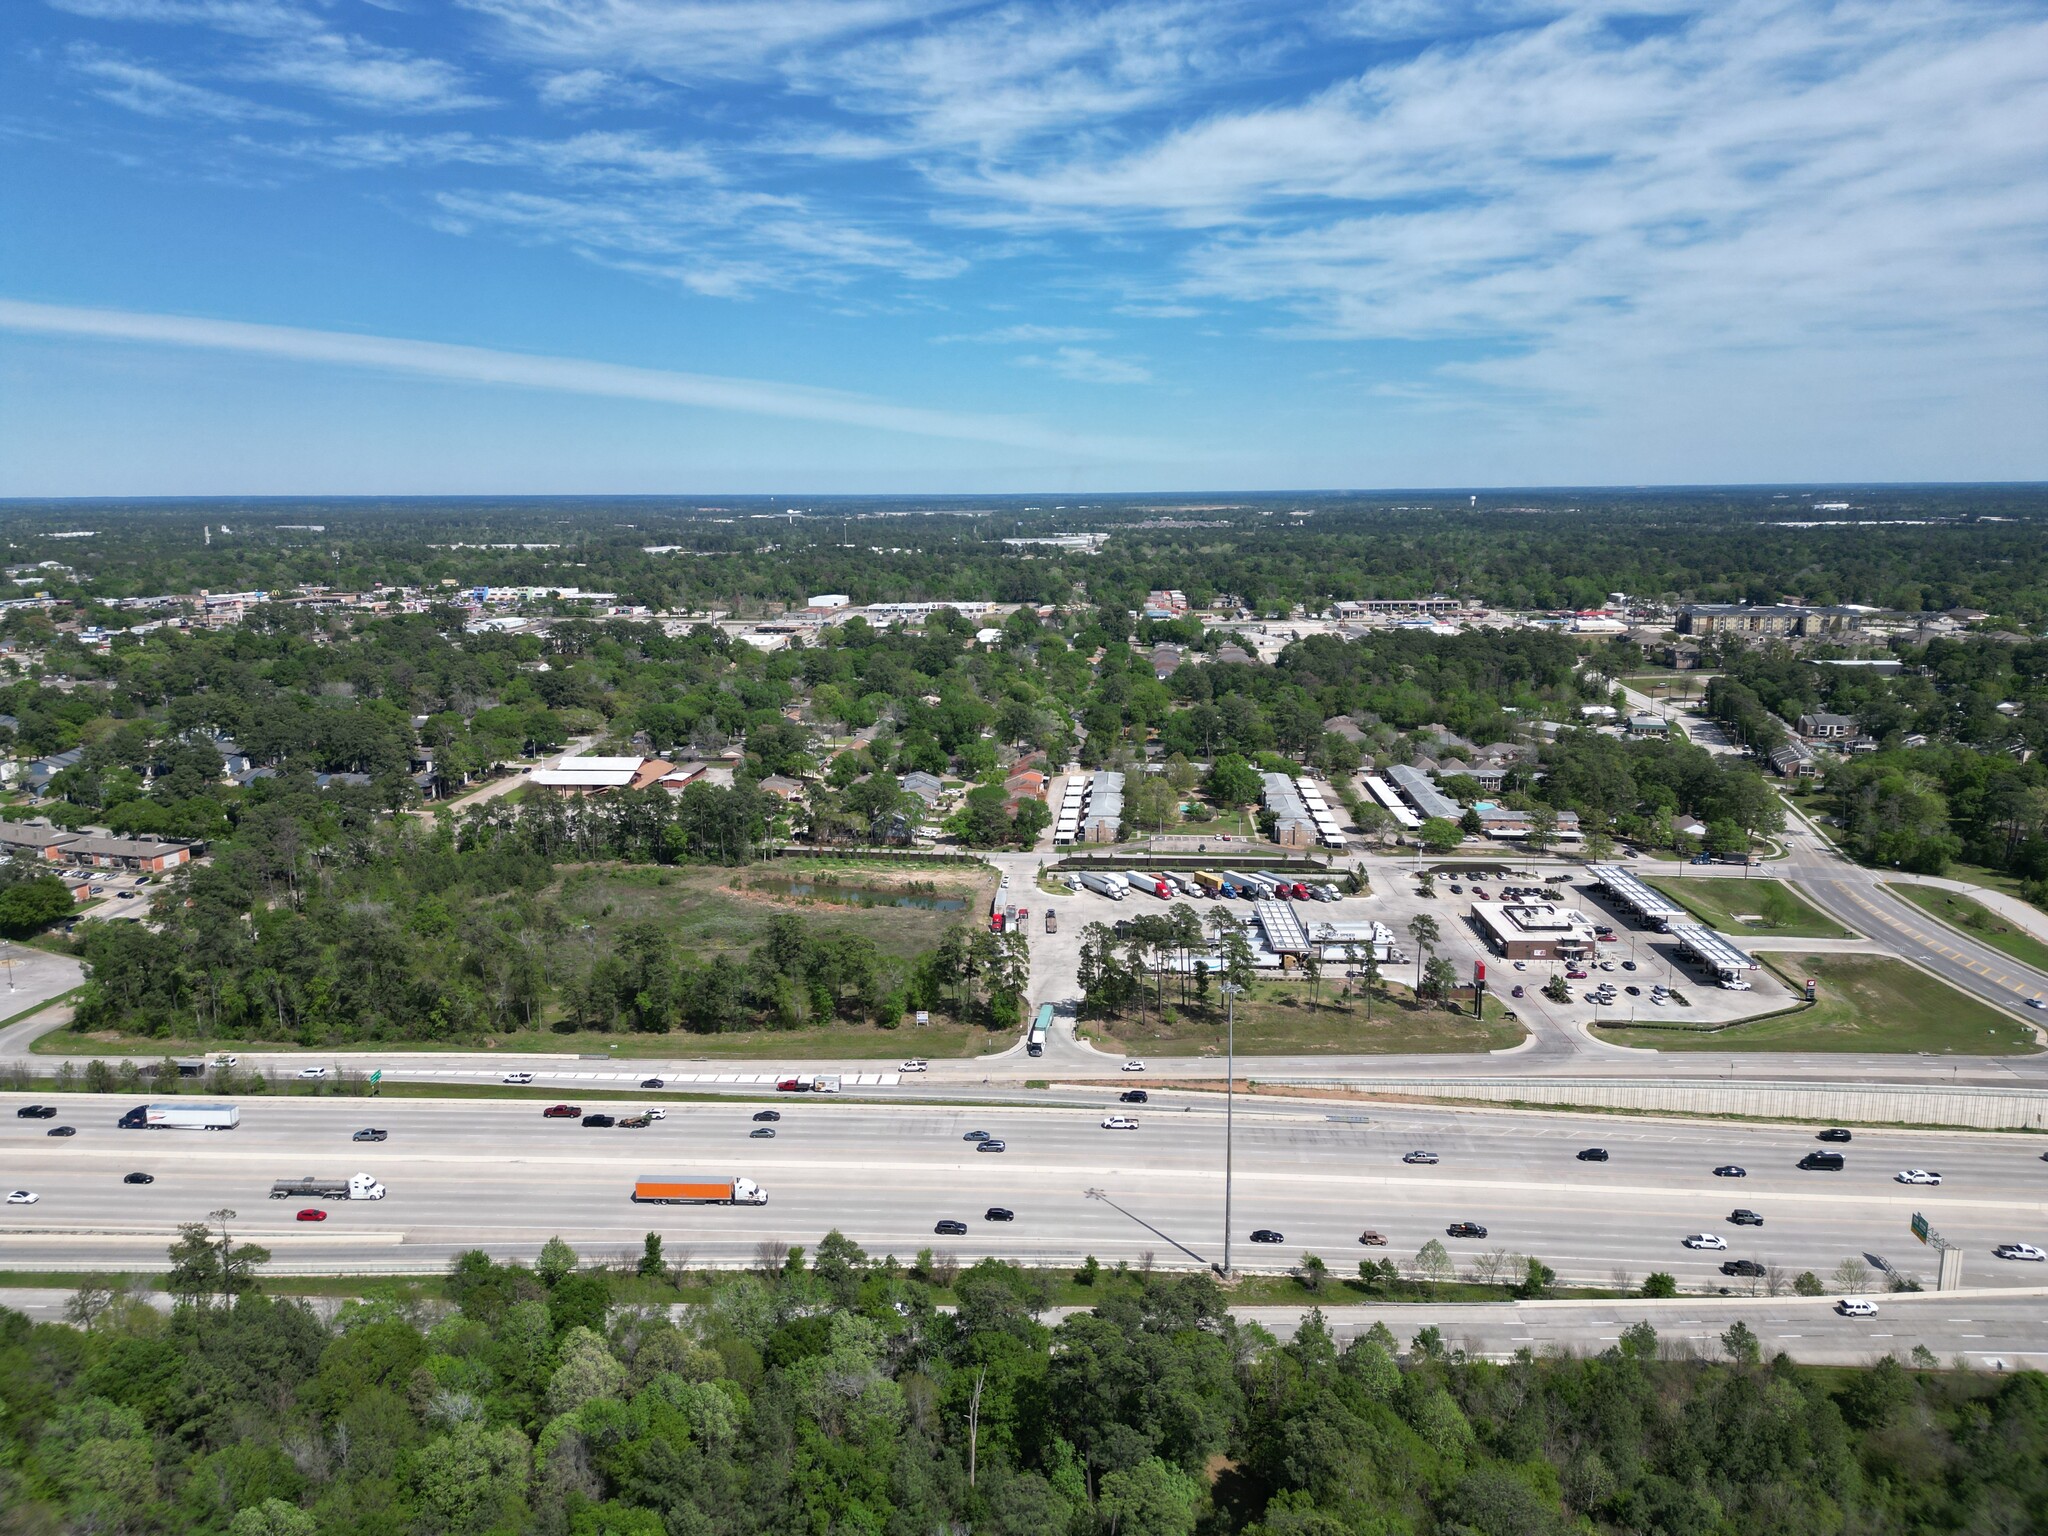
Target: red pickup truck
{"points": [[562, 1112]]}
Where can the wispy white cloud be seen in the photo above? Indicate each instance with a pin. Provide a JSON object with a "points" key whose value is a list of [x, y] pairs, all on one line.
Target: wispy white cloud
{"points": [[294, 46], [364, 74], [587, 89], [1011, 335], [687, 39], [154, 93], [564, 375], [1084, 365], [624, 155]]}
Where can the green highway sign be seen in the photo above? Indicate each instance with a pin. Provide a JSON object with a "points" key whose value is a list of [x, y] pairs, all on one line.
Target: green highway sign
{"points": [[377, 1076], [1920, 1226]]}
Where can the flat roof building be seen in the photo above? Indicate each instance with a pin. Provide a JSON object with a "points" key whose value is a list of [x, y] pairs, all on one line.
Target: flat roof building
{"points": [[1533, 930], [1427, 799], [1639, 900]]}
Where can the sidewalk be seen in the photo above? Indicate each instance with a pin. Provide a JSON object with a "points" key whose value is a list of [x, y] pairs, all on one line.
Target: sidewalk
{"points": [[2027, 918]]}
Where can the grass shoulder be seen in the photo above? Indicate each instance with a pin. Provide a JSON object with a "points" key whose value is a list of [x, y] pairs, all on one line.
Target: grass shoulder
{"points": [[1279, 1018], [1752, 907], [1863, 1003]]}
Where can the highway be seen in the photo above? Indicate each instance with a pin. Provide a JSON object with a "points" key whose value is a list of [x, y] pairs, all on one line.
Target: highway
{"points": [[496, 1175]]}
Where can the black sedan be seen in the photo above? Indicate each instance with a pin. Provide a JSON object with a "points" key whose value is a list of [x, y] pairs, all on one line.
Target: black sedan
{"points": [[1267, 1235], [1593, 1155], [1835, 1133], [999, 1213], [768, 1114], [1465, 1229], [951, 1229], [62, 1130], [139, 1178], [652, 1082], [1730, 1171]]}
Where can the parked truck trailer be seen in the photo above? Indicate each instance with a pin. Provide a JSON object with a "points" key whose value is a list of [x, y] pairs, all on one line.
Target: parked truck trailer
{"points": [[678, 1191], [181, 1117], [1149, 883], [1112, 886]]}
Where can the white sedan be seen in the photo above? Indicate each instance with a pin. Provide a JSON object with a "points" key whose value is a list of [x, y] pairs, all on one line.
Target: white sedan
{"points": [[914, 1065], [517, 1079], [1918, 1176], [21, 1197], [1134, 1066], [1119, 1123], [1705, 1240]]}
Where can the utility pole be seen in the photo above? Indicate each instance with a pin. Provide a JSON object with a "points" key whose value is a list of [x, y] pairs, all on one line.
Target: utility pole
{"points": [[1229, 1107]]}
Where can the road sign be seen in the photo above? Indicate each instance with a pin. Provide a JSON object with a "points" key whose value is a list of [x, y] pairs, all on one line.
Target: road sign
{"points": [[377, 1076], [1920, 1226]]}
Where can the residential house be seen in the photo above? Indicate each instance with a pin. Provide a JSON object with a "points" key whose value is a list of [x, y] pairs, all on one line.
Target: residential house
{"points": [[926, 786], [1231, 651], [1345, 726], [781, 787], [152, 855], [1795, 760], [1826, 727], [1166, 660], [1026, 784], [38, 839], [44, 769]]}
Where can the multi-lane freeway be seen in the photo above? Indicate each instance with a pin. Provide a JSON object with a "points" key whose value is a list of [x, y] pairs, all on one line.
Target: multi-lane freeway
{"points": [[496, 1175]]}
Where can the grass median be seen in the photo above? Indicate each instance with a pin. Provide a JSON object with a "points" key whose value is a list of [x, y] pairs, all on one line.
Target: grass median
{"points": [[1975, 919], [1750, 908]]}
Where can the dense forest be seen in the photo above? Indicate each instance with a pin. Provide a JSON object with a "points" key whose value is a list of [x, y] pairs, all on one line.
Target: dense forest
{"points": [[829, 1393], [1897, 547]]}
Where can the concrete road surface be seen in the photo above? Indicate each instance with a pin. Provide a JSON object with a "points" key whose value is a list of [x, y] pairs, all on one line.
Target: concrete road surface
{"points": [[500, 1177]]}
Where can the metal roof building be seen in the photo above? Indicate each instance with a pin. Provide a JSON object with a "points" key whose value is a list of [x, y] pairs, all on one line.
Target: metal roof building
{"points": [[1422, 794], [1711, 950], [1652, 906]]}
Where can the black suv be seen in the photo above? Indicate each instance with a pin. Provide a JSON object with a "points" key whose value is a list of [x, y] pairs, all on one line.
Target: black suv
{"points": [[1744, 1217], [602, 1122], [1465, 1229], [1746, 1267], [999, 1213], [1134, 1096], [36, 1112], [1834, 1134], [1593, 1155], [951, 1229]]}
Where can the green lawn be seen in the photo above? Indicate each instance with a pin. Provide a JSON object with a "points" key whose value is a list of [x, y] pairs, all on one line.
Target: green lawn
{"points": [[1766, 908], [1276, 1019], [1975, 919], [1864, 1003]]}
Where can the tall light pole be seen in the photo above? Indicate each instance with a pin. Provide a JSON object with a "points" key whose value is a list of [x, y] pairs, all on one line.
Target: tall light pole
{"points": [[1230, 992]]}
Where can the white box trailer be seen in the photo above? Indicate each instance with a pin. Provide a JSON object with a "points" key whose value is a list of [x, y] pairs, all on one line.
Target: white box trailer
{"points": [[1113, 886], [181, 1117]]}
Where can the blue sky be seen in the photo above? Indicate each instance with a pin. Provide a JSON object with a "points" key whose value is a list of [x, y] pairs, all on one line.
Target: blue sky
{"points": [[386, 246]]}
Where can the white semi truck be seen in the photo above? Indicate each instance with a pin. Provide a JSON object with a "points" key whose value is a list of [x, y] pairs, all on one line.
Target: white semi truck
{"points": [[1112, 886], [181, 1117], [360, 1187]]}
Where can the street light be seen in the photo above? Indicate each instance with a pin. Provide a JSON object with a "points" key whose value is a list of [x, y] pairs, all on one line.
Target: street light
{"points": [[1230, 991]]}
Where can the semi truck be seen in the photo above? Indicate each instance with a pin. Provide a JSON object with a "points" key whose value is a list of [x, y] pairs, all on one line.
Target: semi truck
{"points": [[698, 1192], [1041, 1026], [360, 1187], [1106, 885], [1211, 885], [1150, 884], [1252, 887], [181, 1117], [808, 1083]]}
